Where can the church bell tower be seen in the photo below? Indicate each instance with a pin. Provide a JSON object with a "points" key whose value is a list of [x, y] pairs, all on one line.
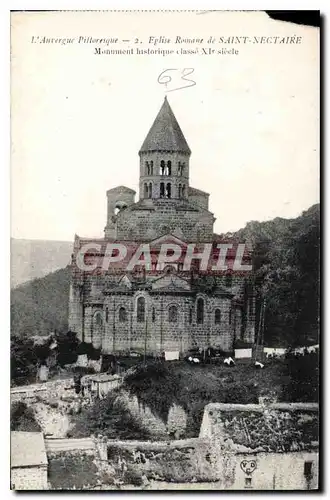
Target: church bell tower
{"points": [[164, 159]]}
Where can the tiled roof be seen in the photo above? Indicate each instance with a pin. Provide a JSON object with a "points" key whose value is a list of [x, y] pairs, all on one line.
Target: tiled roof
{"points": [[278, 427], [192, 190], [27, 449], [121, 189], [165, 133]]}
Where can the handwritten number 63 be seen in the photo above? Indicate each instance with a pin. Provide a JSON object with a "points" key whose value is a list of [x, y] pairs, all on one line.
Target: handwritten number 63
{"points": [[174, 77]]}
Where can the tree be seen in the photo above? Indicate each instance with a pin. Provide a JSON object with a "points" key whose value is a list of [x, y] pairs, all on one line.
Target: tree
{"points": [[23, 359], [22, 418], [67, 348]]}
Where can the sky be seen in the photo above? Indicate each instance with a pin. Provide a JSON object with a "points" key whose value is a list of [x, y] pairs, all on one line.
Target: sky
{"points": [[78, 118]]}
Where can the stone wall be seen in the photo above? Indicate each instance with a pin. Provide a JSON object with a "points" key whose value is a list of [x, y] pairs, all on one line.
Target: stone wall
{"points": [[175, 461], [286, 430], [155, 218], [148, 420], [29, 478], [158, 332], [272, 471]]}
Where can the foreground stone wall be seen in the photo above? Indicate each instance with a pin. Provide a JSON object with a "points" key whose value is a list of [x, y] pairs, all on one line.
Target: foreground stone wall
{"points": [[183, 460], [29, 478], [146, 419]]}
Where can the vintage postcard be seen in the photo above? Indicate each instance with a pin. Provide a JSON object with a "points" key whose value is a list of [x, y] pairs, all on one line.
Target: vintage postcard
{"points": [[165, 240]]}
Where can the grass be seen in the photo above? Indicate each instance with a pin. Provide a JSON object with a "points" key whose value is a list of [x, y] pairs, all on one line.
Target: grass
{"points": [[160, 384], [72, 471]]}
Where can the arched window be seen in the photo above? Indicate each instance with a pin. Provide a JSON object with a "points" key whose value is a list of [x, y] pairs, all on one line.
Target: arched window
{"points": [[98, 318], [97, 329], [106, 314], [153, 315], [162, 190], [145, 190], [180, 191], [217, 316], [150, 190], [162, 168], [151, 170], [140, 309], [168, 190], [183, 191], [147, 169], [122, 315], [181, 166], [200, 311], [169, 167], [172, 314]]}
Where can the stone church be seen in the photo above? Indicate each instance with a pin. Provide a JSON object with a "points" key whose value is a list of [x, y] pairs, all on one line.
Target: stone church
{"points": [[167, 309]]}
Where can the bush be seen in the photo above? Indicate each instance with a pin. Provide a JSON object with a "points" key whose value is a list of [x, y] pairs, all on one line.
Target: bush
{"points": [[89, 349], [240, 344], [109, 417], [22, 418], [67, 348], [304, 378]]}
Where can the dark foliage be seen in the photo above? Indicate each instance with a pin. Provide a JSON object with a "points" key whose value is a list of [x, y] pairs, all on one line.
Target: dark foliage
{"points": [[22, 418], [287, 264], [23, 360], [303, 372], [89, 349], [67, 348], [110, 418]]}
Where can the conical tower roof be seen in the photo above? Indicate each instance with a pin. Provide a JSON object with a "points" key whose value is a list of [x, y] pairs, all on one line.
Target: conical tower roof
{"points": [[165, 133]]}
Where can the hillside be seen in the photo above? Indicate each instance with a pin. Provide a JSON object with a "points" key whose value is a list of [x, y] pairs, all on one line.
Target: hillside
{"points": [[32, 259], [287, 265], [41, 306]]}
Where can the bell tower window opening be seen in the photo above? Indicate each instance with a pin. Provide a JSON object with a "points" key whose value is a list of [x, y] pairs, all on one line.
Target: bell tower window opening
{"points": [[145, 190], [169, 168], [181, 166], [183, 191], [162, 190], [180, 191], [162, 168], [168, 190], [150, 190], [147, 168], [151, 170]]}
